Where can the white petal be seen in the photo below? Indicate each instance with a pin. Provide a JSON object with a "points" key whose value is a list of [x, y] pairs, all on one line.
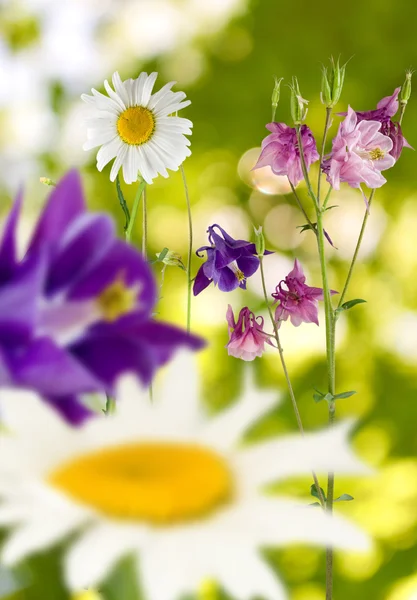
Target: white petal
{"points": [[138, 88], [98, 138], [115, 97], [147, 88], [160, 95], [102, 102], [172, 108], [91, 558], [108, 151], [154, 159], [147, 170], [130, 165], [322, 451], [227, 428], [118, 162], [120, 89]]}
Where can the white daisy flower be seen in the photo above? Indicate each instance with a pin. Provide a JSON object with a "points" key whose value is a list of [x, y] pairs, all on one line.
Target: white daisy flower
{"points": [[134, 126], [168, 484]]}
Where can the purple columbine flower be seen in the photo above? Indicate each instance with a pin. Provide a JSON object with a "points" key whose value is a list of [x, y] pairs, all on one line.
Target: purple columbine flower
{"points": [[246, 336], [359, 153], [297, 300], [76, 312], [386, 109], [229, 262], [280, 151]]}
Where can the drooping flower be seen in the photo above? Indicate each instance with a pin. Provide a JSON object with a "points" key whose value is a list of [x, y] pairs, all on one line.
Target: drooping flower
{"points": [[76, 312], [359, 153], [166, 484], [229, 262], [246, 336], [134, 126], [297, 300], [280, 151], [386, 109]]}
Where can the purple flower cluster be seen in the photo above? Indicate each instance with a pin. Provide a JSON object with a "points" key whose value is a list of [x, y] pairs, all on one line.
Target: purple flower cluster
{"points": [[76, 312]]}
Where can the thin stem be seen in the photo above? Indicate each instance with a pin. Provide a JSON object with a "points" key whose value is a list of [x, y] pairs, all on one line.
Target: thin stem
{"points": [[327, 198], [286, 374], [144, 225], [132, 219], [323, 146], [301, 207], [123, 204], [329, 510], [402, 111], [355, 254], [304, 166], [190, 248]]}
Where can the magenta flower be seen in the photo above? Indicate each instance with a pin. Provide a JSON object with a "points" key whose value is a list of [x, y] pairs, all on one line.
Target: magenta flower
{"points": [[359, 153], [387, 108], [280, 151], [246, 337], [299, 301]]}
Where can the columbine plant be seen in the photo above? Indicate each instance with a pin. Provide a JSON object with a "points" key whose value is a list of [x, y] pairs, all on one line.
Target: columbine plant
{"points": [[366, 144]]}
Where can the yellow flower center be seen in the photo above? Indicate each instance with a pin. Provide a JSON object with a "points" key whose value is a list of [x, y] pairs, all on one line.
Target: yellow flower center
{"points": [[135, 125], [159, 483], [376, 154], [240, 275], [116, 300]]}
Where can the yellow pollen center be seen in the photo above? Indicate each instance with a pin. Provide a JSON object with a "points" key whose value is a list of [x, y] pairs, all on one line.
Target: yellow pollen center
{"points": [[376, 154], [240, 275], [135, 125], [159, 483], [116, 300]]}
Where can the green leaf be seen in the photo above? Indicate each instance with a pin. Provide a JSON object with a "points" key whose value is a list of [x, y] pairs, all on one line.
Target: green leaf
{"points": [[350, 304], [318, 396], [123, 203], [344, 498], [314, 492], [161, 256], [123, 582], [344, 395], [307, 226], [315, 504]]}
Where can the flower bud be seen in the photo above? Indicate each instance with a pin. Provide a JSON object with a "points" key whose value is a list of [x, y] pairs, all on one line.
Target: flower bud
{"points": [[47, 181], [298, 103], [275, 96], [406, 88], [171, 259], [260, 241], [332, 83]]}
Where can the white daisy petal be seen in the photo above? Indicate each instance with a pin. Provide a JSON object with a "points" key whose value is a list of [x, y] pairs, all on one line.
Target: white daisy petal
{"points": [[130, 165], [121, 155], [172, 108], [147, 89], [120, 89], [101, 102], [160, 95], [154, 159], [115, 97], [107, 152], [98, 550], [138, 88]]}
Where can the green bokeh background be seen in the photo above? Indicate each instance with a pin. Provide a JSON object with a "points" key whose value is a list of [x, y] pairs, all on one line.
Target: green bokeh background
{"points": [[377, 352]]}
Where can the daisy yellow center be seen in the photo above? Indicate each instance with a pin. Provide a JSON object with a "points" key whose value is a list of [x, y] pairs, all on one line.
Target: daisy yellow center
{"points": [[116, 300], [376, 154], [159, 483], [135, 125]]}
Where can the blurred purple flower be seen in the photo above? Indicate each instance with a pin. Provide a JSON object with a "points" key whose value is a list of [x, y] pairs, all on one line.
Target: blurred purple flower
{"points": [[359, 153], [387, 108], [76, 312], [280, 151], [246, 336], [229, 262], [299, 301]]}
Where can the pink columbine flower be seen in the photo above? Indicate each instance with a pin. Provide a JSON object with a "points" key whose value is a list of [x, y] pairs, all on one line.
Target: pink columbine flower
{"points": [[280, 151], [359, 153], [246, 336], [298, 301]]}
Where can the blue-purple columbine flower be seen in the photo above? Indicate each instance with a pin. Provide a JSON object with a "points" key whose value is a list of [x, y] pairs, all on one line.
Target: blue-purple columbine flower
{"points": [[76, 312], [229, 262]]}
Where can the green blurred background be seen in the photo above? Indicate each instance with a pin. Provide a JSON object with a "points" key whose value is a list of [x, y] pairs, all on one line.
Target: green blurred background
{"points": [[224, 54]]}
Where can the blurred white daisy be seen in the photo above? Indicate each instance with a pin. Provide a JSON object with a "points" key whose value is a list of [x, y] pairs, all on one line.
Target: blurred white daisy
{"points": [[137, 128], [166, 483]]}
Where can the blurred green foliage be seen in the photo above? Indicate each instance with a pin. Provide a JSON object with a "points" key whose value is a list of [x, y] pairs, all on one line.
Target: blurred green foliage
{"points": [[230, 106]]}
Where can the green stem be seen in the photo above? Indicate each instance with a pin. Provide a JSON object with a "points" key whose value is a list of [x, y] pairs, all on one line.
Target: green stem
{"points": [[301, 207], [355, 254], [136, 201], [122, 204], [190, 248], [144, 225], [323, 146], [286, 374], [304, 166], [326, 200]]}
